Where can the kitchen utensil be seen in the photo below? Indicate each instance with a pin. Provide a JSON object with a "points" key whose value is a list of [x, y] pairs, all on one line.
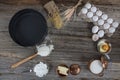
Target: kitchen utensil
{"points": [[28, 27], [24, 60], [42, 50]]}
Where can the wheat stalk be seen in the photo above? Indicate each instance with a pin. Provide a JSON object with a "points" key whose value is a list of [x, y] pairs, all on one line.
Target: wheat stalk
{"points": [[69, 12]]}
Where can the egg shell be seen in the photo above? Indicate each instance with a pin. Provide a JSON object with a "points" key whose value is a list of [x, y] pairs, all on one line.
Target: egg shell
{"points": [[88, 5], [99, 13], [95, 18], [95, 29], [93, 9], [101, 33], [106, 26], [100, 22], [100, 49], [104, 16], [95, 37], [115, 24], [84, 10], [111, 30], [110, 20]]}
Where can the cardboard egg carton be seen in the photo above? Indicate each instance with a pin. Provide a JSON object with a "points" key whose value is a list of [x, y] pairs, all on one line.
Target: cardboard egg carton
{"points": [[103, 23]]}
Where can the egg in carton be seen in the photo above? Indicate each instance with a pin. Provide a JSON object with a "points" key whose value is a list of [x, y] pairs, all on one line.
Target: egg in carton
{"points": [[103, 23]]}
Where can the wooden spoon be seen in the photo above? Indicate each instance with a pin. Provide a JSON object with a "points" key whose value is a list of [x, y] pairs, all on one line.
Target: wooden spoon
{"points": [[24, 60], [32, 56]]}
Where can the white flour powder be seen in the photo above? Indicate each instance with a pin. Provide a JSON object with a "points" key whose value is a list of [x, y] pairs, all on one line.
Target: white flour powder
{"points": [[44, 50], [40, 69]]}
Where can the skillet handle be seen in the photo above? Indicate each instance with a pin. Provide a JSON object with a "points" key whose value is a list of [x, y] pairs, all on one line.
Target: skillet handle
{"points": [[23, 61]]}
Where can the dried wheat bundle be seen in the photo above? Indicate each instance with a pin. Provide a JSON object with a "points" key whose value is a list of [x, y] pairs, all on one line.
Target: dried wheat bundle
{"points": [[69, 12]]}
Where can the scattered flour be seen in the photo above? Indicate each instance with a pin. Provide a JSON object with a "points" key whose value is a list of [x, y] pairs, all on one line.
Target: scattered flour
{"points": [[40, 69], [44, 50]]}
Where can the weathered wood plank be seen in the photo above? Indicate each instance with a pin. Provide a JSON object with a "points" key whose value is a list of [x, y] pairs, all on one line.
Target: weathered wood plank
{"points": [[33, 2], [73, 44], [23, 73]]}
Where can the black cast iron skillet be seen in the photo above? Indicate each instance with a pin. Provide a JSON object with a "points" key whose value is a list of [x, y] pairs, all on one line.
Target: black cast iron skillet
{"points": [[28, 27]]}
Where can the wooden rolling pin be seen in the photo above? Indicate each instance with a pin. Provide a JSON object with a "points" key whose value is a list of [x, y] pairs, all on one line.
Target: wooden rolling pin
{"points": [[23, 61]]}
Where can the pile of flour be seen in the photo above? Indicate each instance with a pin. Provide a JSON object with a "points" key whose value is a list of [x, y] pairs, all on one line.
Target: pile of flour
{"points": [[40, 69], [44, 50]]}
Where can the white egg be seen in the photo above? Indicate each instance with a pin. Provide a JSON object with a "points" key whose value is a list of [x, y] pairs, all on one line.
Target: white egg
{"points": [[115, 24], [95, 37], [99, 13], [110, 20], [95, 29], [88, 5], [100, 22], [111, 30], [101, 33], [84, 10], [104, 16], [95, 18], [106, 26], [93, 9], [90, 14]]}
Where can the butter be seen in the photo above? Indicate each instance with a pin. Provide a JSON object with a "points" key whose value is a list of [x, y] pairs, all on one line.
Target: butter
{"points": [[63, 70]]}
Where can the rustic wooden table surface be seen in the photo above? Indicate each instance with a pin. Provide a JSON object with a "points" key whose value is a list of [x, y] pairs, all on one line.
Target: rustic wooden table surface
{"points": [[73, 44]]}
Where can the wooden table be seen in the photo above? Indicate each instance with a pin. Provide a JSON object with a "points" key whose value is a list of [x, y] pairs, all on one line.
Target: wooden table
{"points": [[73, 45]]}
